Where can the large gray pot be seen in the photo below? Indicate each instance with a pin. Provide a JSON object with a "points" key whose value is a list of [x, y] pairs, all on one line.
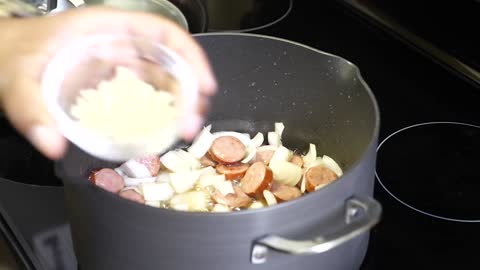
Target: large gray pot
{"points": [[322, 99]]}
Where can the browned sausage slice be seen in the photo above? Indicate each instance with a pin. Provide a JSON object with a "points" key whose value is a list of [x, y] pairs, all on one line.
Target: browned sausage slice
{"points": [[152, 162], [257, 178], [107, 179], [207, 161], [232, 172], [284, 192], [264, 155], [238, 199], [227, 150], [132, 195], [319, 176], [297, 160]]}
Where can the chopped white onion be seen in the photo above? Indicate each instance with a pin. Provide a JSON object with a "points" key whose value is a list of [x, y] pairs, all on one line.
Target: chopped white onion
{"points": [[285, 172], [153, 203], [311, 155], [332, 165], [267, 148], [157, 191], [269, 197], [220, 208], [273, 139], [303, 184], [279, 127], [243, 137], [163, 177], [137, 181], [192, 161], [174, 162], [282, 153], [184, 181], [208, 171], [224, 187], [317, 162], [210, 180], [135, 169], [251, 151], [256, 205], [193, 200], [202, 143], [257, 141]]}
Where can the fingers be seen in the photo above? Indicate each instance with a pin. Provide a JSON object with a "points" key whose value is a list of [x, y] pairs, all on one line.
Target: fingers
{"points": [[24, 107], [183, 44]]}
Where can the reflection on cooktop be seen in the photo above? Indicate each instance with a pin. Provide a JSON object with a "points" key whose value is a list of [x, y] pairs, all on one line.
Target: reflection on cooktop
{"points": [[245, 15], [433, 169]]}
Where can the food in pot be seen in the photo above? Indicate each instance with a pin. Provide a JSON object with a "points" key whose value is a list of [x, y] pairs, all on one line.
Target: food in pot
{"points": [[221, 172]]}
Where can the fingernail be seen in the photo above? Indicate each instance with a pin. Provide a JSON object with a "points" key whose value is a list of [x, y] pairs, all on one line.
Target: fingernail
{"points": [[47, 140]]}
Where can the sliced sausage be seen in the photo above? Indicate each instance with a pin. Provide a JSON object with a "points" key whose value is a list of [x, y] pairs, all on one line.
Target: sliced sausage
{"points": [[232, 172], [238, 199], [152, 162], [207, 161], [284, 192], [257, 178], [319, 176], [107, 179], [227, 150], [297, 160], [131, 194], [264, 156]]}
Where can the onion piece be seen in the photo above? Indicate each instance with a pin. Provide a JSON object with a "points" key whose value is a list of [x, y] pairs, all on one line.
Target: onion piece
{"points": [[273, 139], [220, 208], [320, 186], [332, 165], [134, 188], [163, 177], [267, 148], [210, 180], [208, 171], [153, 203], [135, 169], [317, 162], [282, 153], [156, 191], [303, 184], [174, 162], [119, 171], [129, 182], [285, 172], [269, 197], [256, 205], [243, 137], [279, 127], [192, 161], [311, 155], [184, 181], [202, 143], [251, 151], [257, 141], [193, 200], [225, 187]]}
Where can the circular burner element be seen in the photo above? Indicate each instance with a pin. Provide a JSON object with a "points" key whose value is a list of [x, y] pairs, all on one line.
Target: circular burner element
{"points": [[245, 15], [434, 168]]}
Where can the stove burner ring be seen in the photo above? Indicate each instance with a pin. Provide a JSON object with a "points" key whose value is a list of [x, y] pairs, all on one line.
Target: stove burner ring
{"points": [[409, 205], [253, 28]]}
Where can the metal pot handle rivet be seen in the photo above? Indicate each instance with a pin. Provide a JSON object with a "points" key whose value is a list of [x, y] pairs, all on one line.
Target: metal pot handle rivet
{"points": [[361, 214]]}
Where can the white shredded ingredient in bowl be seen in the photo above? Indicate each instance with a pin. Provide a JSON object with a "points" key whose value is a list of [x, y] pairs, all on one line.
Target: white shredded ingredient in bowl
{"points": [[126, 109]]}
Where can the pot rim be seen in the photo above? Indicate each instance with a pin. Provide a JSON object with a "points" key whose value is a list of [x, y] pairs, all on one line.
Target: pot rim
{"points": [[372, 143]]}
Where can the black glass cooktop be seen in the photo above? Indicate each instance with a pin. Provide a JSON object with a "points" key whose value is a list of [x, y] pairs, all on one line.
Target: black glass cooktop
{"points": [[428, 179]]}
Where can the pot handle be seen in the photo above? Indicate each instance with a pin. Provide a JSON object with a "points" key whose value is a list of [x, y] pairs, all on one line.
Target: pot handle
{"points": [[361, 214]]}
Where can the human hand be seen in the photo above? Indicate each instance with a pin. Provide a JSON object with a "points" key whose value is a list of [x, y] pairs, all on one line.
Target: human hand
{"points": [[27, 45]]}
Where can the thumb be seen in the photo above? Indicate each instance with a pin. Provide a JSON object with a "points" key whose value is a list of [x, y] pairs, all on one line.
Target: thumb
{"points": [[25, 108]]}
